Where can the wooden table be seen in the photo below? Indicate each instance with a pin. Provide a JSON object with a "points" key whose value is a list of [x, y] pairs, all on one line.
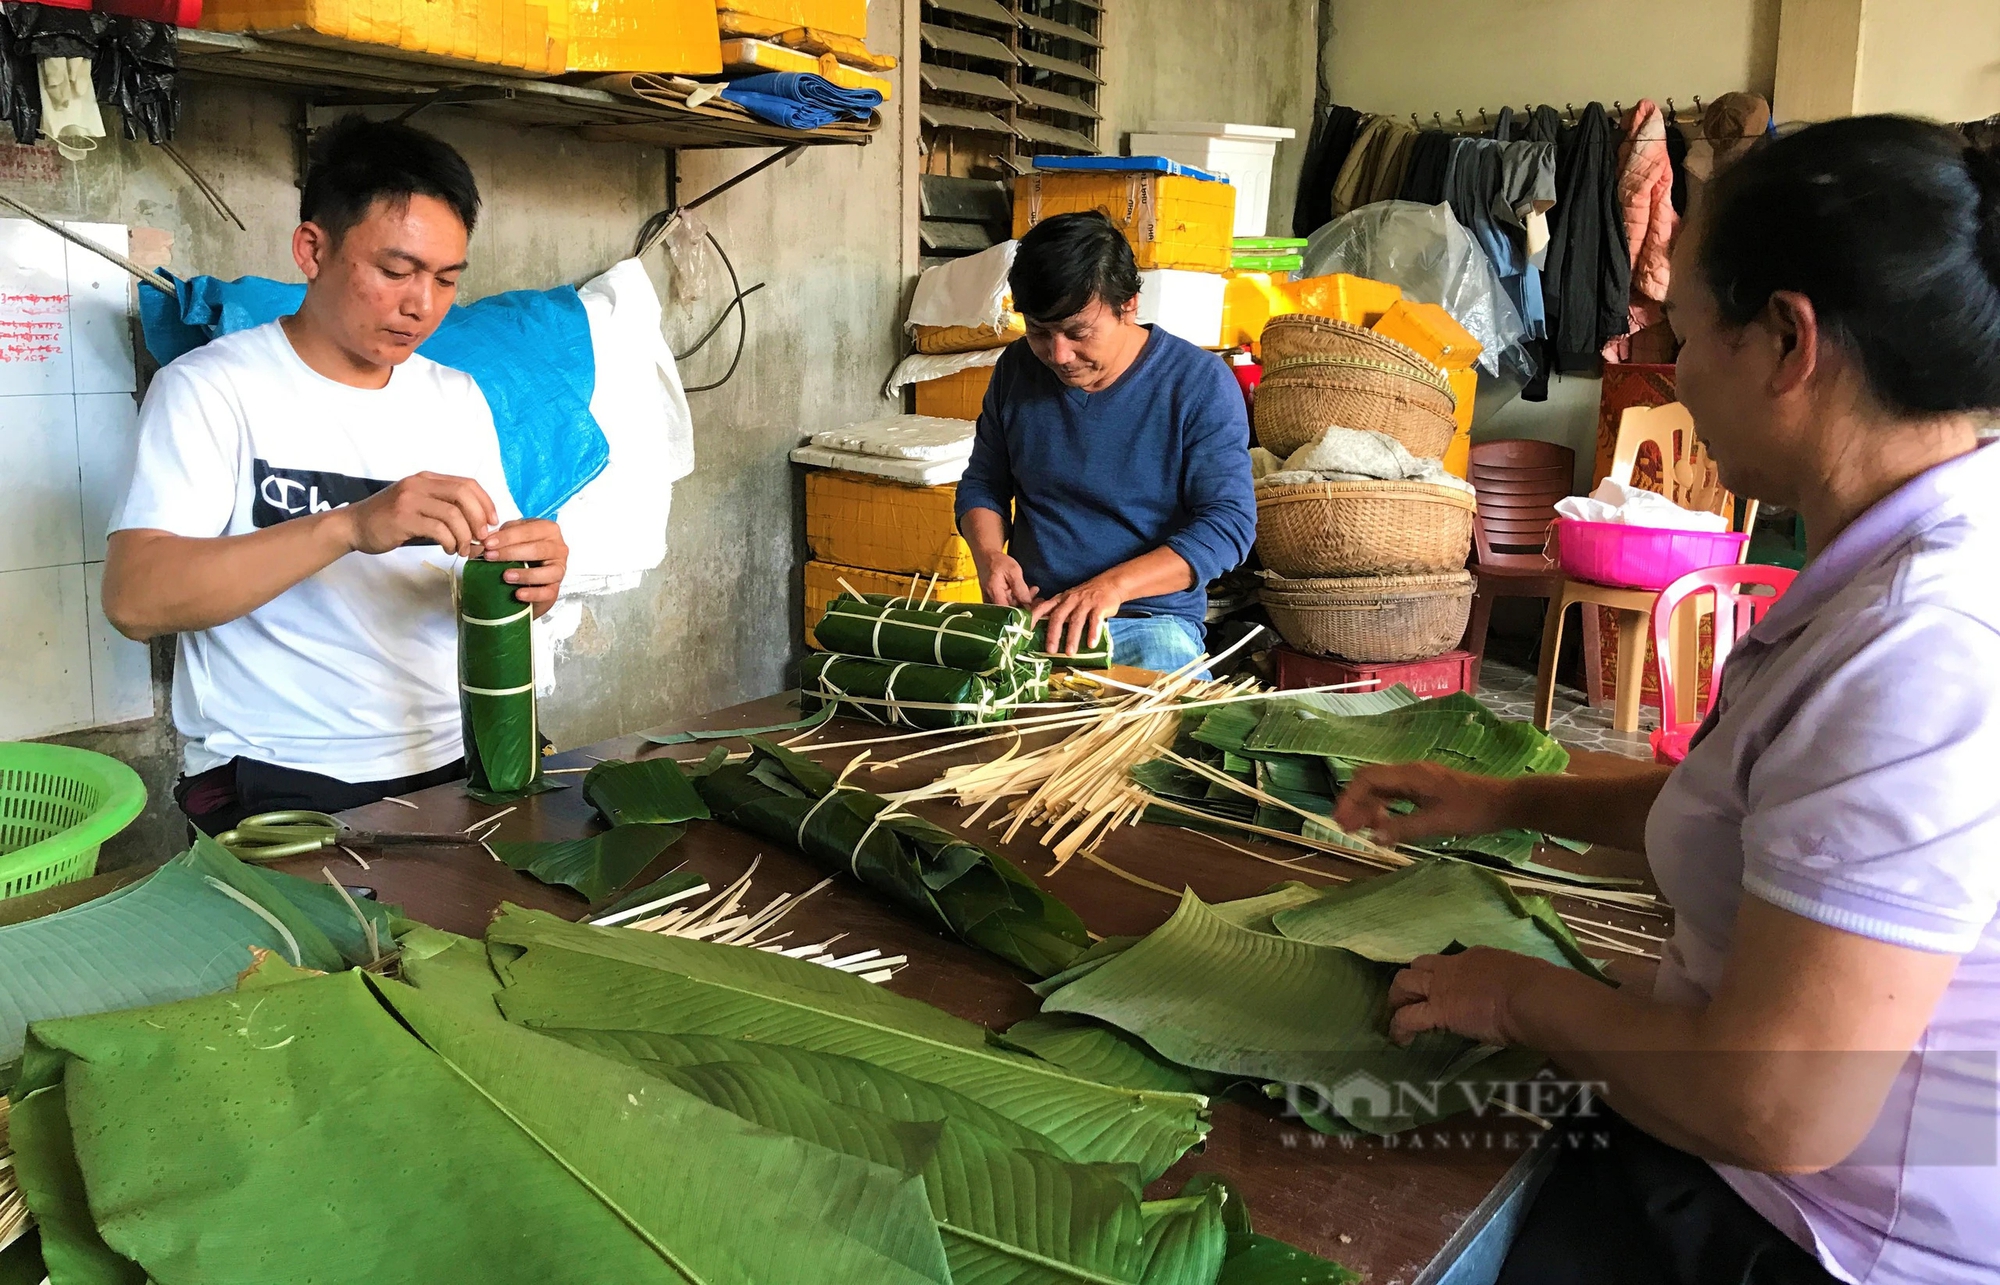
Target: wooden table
{"points": [[1398, 1210]]}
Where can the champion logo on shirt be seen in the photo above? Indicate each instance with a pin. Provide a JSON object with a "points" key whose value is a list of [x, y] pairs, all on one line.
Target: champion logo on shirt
{"points": [[286, 493]]}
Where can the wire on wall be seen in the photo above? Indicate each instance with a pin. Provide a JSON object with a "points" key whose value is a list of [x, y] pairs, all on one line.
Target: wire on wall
{"points": [[651, 233]]}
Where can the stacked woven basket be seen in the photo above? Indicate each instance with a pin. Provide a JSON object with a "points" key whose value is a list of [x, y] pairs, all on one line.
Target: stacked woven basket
{"points": [[1368, 571]]}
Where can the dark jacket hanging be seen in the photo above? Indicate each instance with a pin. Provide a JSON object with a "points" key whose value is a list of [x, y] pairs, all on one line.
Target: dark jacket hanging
{"points": [[1332, 138], [1430, 160], [1589, 272]]}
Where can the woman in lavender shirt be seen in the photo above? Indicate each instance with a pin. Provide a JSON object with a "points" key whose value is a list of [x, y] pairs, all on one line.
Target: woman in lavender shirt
{"points": [[1809, 1092]]}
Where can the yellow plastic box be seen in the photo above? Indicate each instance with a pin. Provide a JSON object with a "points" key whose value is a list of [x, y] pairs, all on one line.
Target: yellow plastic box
{"points": [[1249, 301], [823, 585], [753, 56], [1171, 220], [842, 17], [1430, 330], [643, 35], [881, 525], [957, 396], [1344, 297]]}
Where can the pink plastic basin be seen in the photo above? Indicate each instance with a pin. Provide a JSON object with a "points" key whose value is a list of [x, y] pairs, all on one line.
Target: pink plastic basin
{"points": [[1637, 557]]}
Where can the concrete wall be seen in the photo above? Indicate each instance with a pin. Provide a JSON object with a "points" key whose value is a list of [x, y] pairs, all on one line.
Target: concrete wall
{"points": [[1447, 56], [1185, 60], [717, 623], [1936, 58]]}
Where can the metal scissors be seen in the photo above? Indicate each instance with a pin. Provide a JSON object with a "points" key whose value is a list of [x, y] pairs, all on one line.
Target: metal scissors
{"points": [[273, 836]]}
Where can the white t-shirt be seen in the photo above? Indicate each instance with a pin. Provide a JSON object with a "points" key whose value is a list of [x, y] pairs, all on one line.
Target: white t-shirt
{"points": [[351, 673]]}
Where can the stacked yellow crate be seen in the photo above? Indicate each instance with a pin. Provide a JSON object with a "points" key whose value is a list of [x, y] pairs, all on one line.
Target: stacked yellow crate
{"points": [[545, 37], [1171, 220], [882, 537]]}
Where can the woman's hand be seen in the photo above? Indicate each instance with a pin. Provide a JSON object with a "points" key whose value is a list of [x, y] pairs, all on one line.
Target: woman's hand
{"points": [[1468, 994], [1448, 803]]}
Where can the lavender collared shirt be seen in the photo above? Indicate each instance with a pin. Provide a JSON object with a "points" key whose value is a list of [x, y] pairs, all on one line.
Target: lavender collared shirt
{"points": [[1850, 774]]}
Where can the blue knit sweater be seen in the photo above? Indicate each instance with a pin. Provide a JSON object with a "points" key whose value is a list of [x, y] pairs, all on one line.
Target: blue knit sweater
{"points": [[1095, 479]]}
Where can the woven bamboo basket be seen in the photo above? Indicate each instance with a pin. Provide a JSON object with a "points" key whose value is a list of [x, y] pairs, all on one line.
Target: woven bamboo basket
{"points": [[1319, 373], [1364, 528], [1371, 619]]}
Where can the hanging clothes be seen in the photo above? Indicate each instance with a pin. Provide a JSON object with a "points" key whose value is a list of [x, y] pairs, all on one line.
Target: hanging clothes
{"points": [[1589, 270], [1677, 155], [1430, 159], [1371, 163], [1484, 205], [1333, 138], [1645, 200]]}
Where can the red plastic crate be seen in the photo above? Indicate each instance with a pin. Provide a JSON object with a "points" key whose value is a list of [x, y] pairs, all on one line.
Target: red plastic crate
{"points": [[1438, 676]]}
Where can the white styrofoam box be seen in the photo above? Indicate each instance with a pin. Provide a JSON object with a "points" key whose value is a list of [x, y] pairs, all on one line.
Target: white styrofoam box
{"points": [[121, 671], [1244, 153], [905, 437], [910, 472], [1187, 304], [107, 439], [44, 652], [100, 310], [34, 310], [38, 483]]}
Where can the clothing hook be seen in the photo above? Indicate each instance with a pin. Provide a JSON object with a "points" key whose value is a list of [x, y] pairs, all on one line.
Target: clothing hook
{"points": [[1617, 112], [1438, 118], [1697, 105], [1461, 118], [1572, 112], [1673, 112], [1482, 118]]}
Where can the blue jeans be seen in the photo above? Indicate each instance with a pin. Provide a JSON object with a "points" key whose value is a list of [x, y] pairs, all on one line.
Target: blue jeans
{"points": [[1159, 643]]}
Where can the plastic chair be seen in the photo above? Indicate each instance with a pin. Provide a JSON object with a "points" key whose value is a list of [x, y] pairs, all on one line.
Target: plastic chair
{"points": [[1688, 478], [1517, 483], [1681, 710]]}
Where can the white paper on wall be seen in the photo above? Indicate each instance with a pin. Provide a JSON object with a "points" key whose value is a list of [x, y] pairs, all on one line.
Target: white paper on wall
{"points": [[68, 426]]}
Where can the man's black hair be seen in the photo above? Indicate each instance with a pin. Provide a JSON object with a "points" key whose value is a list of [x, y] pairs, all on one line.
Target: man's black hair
{"points": [[1066, 261], [356, 162]]}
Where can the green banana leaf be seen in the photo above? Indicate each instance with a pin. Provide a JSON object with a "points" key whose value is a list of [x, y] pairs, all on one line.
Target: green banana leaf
{"points": [[731, 733], [665, 886], [1206, 993], [951, 640], [496, 681], [977, 895], [1423, 909], [898, 693], [1260, 1260], [645, 792], [1088, 655], [445, 1145], [597, 866], [574, 978], [1098, 1052], [173, 935]]}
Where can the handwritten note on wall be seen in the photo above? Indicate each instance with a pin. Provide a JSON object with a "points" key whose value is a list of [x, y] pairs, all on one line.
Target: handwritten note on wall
{"points": [[68, 423]]}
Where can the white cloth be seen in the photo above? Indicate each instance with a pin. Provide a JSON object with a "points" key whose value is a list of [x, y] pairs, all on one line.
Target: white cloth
{"points": [[69, 106], [1359, 455], [918, 367], [352, 672], [616, 526], [903, 437], [965, 292], [1635, 506]]}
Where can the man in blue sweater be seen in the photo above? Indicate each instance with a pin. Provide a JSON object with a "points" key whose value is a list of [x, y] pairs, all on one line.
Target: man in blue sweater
{"points": [[1122, 451]]}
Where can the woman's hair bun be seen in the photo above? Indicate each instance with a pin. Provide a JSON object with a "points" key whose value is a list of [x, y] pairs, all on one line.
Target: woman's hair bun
{"points": [[1984, 167]]}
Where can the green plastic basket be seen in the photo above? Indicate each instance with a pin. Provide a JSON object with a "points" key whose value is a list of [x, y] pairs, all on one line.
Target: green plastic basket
{"points": [[57, 807]]}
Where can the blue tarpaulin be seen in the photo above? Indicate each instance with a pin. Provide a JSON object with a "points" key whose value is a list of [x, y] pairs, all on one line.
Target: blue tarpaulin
{"points": [[799, 99], [528, 350]]}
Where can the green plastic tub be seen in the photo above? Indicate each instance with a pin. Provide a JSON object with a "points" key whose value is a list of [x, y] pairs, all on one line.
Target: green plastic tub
{"points": [[57, 807]]}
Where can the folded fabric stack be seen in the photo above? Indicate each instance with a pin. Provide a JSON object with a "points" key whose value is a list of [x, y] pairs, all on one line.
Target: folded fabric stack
{"points": [[801, 100]]}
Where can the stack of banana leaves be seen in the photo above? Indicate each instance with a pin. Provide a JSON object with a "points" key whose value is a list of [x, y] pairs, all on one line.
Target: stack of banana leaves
{"points": [[1302, 750], [566, 1104], [977, 895], [1285, 995]]}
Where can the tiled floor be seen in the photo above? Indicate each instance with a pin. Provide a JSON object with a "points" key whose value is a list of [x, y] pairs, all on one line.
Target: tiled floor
{"points": [[1511, 694]]}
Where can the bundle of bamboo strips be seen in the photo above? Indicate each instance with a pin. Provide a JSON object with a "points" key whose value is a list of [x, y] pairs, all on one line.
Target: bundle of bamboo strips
{"points": [[14, 1216], [722, 920]]}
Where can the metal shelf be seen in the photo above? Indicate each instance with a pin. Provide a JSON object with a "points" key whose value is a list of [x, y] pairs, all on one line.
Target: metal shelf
{"points": [[607, 108]]}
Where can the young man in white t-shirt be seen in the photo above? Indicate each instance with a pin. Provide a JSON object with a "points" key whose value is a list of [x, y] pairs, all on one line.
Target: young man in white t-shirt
{"points": [[300, 493]]}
